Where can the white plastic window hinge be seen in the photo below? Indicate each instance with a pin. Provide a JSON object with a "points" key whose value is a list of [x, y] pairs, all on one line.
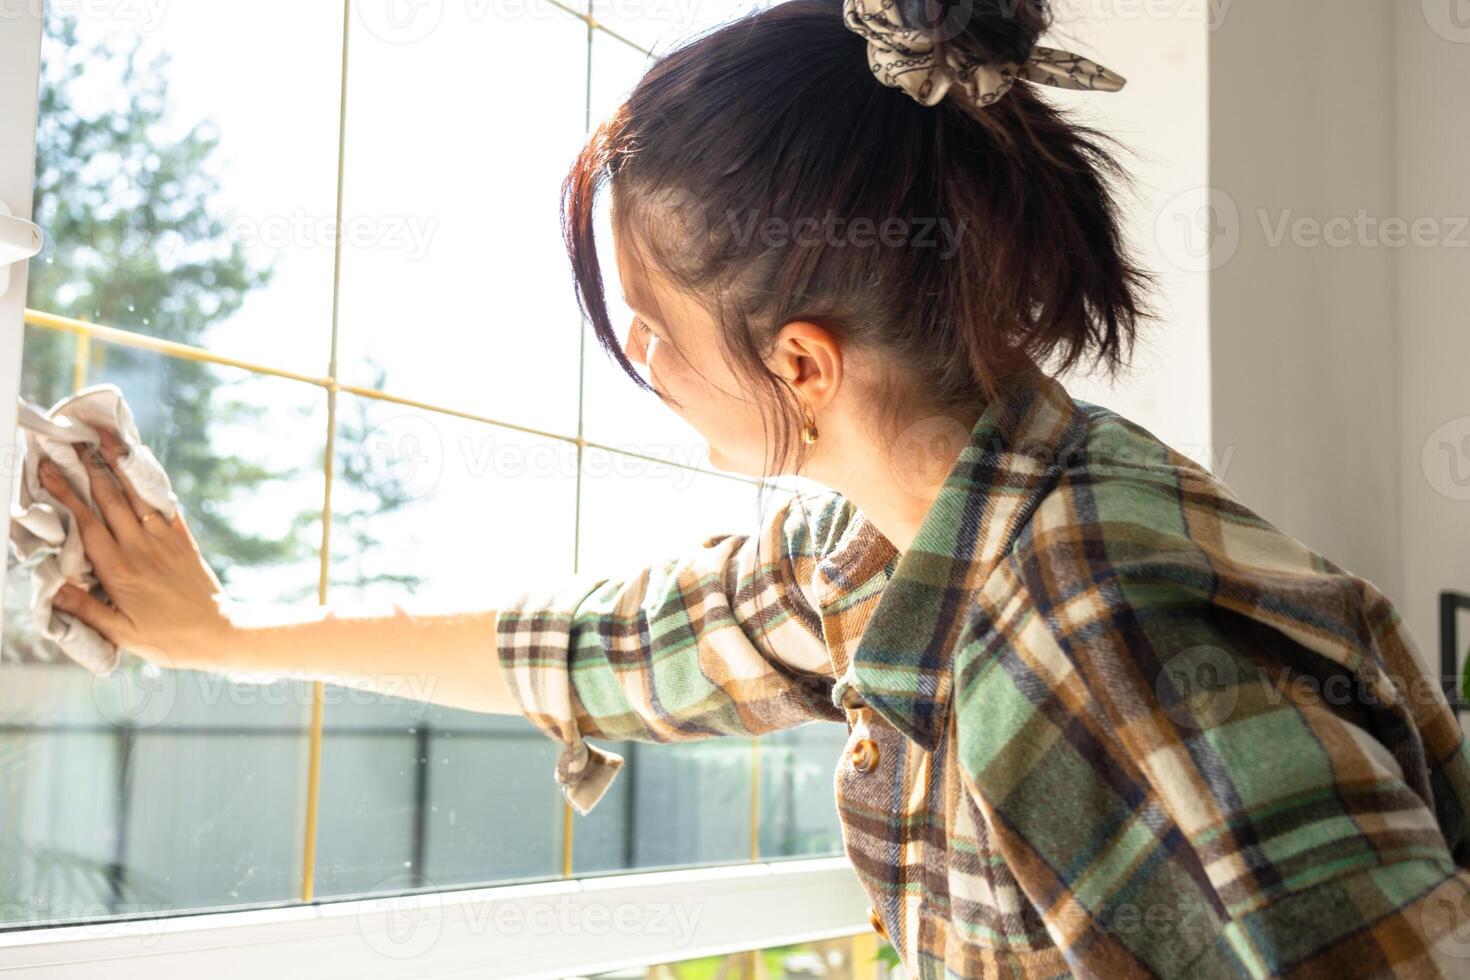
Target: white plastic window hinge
{"points": [[19, 240]]}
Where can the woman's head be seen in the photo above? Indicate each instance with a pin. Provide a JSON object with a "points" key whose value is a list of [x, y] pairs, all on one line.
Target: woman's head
{"points": [[771, 199], [680, 347]]}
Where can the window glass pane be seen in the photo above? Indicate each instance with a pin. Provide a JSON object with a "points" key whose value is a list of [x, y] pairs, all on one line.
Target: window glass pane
{"points": [[462, 121], [152, 790], [677, 804], [157, 790], [430, 504], [460, 512], [369, 812], [636, 511], [798, 803], [490, 814], [616, 68], [421, 796], [215, 806], [59, 862], [660, 25], [192, 199]]}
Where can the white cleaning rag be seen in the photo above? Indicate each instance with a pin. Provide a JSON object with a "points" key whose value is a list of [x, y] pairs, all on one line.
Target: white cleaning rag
{"points": [[41, 524]]}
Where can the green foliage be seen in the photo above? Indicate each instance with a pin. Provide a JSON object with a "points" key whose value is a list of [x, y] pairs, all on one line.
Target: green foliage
{"points": [[132, 237], [133, 241], [136, 239]]}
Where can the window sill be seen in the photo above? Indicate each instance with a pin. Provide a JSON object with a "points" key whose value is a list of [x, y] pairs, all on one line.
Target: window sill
{"points": [[542, 929]]}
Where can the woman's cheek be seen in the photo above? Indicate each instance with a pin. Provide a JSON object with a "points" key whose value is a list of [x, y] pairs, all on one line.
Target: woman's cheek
{"points": [[659, 373], [655, 366]]}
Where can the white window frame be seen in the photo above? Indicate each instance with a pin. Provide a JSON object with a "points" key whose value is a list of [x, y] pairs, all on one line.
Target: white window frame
{"points": [[20, 78], [553, 928]]}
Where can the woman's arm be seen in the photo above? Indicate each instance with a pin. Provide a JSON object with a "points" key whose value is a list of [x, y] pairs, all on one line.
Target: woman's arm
{"points": [[401, 649], [169, 608], [702, 645]]}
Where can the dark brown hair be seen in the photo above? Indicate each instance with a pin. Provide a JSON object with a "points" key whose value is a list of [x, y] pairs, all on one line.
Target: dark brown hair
{"points": [[775, 121]]}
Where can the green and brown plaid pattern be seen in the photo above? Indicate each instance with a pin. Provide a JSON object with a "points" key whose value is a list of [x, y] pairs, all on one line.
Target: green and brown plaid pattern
{"points": [[1126, 727], [682, 650]]}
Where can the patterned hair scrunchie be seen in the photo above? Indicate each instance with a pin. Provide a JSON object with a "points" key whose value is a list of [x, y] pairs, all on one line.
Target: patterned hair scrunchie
{"points": [[903, 57]]}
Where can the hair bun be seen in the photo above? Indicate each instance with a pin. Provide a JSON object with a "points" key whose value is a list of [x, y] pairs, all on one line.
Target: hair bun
{"points": [[994, 31]]}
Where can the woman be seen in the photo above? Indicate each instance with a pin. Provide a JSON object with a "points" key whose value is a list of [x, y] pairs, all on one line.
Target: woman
{"points": [[1104, 719]]}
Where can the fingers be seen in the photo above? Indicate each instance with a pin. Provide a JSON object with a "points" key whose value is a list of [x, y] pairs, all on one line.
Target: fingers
{"points": [[112, 451], [97, 614], [109, 496], [97, 540]]}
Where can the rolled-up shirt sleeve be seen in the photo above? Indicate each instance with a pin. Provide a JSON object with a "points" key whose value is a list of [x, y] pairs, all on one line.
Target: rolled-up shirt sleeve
{"points": [[708, 643]]}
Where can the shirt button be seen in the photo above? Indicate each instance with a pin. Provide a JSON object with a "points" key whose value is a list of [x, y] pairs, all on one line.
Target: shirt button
{"points": [[864, 755], [876, 922], [852, 700]]}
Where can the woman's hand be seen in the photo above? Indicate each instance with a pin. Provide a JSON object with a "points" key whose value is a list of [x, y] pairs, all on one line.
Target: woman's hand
{"points": [[167, 604]]}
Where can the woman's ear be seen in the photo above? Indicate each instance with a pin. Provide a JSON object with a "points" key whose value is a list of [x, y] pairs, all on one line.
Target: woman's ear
{"points": [[808, 357]]}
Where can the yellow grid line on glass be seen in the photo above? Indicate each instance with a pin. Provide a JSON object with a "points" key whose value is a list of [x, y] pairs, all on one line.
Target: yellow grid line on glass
{"points": [[116, 336], [329, 465], [593, 24]]}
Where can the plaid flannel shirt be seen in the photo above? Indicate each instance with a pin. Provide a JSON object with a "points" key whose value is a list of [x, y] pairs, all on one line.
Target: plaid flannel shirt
{"points": [[1124, 726]]}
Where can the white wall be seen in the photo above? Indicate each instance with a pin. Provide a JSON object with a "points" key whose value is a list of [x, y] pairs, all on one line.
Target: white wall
{"points": [[1159, 116], [1336, 359], [1303, 333], [1432, 116]]}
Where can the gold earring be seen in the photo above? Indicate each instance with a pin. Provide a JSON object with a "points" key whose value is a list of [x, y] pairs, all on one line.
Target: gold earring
{"points": [[809, 431]]}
